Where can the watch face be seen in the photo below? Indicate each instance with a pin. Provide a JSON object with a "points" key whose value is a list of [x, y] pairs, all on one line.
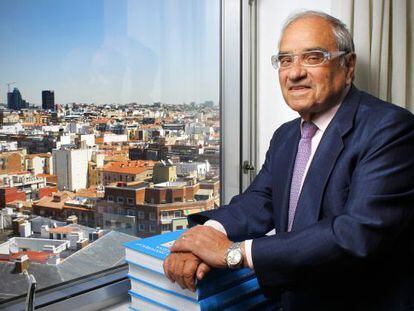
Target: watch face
{"points": [[234, 257]]}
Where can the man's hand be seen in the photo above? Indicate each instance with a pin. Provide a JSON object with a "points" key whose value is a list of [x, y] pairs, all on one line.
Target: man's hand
{"points": [[183, 268], [207, 243]]}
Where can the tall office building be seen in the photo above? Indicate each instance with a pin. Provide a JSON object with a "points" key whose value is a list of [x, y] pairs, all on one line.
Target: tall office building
{"points": [[48, 100], [15, 101]]}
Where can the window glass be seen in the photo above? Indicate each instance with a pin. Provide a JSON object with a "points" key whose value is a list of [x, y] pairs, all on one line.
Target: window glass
{"points": [[152, 216], [141, 214], [100, 101]]}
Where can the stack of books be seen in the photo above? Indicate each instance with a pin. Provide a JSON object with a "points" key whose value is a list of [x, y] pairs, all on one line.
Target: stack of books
{"points": [[221, 289]]}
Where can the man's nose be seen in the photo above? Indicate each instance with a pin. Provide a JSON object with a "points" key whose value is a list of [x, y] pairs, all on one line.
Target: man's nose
{"points": [[296, 71]]}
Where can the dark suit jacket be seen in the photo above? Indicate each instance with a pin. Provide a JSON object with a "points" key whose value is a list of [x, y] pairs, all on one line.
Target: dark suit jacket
{"points": [[352, 242]]}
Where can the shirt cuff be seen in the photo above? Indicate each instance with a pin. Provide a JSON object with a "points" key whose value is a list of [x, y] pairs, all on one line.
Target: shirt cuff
{"points": [[248, 252], [216, 225]]}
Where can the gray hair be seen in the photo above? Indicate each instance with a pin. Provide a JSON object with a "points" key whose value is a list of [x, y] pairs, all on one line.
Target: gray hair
{"points": [[341, 33]]}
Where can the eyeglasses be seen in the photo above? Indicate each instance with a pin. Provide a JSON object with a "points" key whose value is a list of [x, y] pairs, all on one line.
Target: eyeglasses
{"points": [[307, 59]]}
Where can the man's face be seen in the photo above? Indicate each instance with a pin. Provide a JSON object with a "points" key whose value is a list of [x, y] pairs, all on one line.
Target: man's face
{"points": [[312, 90]]}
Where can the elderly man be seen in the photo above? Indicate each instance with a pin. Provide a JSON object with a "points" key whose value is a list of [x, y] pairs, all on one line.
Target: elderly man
{"points": [[337, 185]]}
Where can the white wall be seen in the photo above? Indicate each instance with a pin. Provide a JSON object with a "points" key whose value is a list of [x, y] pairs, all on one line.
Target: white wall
{"points": [[38, 164], [271, 108], [79, 168], [71, 168]]}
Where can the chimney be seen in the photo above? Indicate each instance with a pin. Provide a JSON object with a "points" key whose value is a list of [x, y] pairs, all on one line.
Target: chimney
{"points": [[21, 263], [72, 219], [82, 243], [53, 259], [96, 235], [16, 224]]}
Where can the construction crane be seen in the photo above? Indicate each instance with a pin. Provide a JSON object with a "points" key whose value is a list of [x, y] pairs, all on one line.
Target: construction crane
{"points": [[8, 86]]}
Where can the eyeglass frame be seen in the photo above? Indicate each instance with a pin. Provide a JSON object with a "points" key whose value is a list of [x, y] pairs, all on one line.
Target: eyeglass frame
{"points": [[326, 54]]}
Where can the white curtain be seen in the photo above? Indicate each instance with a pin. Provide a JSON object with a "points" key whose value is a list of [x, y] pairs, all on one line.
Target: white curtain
{"points": [[383, 32]]}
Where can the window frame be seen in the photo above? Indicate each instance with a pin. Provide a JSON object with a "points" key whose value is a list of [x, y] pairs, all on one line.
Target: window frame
{"points": [[105, 286]]}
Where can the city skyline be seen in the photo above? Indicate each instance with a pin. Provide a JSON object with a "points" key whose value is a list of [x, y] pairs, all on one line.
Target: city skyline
{"points": [[102, 52]]}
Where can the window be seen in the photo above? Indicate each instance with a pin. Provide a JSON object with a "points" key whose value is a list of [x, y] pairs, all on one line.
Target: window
{"points": [[119, 62], [177, 214], [165, 228], [164, 214]]}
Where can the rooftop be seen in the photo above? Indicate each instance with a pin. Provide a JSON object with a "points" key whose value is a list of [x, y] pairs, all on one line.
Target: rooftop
{"points": [[129, 167], [77, 265]]}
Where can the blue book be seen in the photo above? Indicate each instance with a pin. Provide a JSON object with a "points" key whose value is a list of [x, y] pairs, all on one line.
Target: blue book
{"points": [[146, 256], [151, 252], [172, 300]]}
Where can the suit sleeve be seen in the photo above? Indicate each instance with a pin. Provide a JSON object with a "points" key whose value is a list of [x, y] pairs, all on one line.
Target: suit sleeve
{"points": [[378, 210], [249, 214]]}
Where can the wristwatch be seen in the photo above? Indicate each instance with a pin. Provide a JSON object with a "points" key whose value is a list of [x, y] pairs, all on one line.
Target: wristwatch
{"points": [[234, 256]]}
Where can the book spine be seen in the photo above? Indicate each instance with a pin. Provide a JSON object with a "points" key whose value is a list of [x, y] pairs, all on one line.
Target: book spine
{"points": [[150, 301], [229, 297], [131, 262], [218, 283]]}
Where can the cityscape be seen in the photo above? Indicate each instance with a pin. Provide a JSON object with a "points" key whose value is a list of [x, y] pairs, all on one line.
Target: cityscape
{"points": [[109, 131], [78, 180]]}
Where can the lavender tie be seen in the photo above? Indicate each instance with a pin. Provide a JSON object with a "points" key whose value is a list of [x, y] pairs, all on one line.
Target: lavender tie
{"points": [[302, 157]]}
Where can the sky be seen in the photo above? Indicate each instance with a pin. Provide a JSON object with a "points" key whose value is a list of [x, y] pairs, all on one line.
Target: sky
{"points": [[111, 51]]}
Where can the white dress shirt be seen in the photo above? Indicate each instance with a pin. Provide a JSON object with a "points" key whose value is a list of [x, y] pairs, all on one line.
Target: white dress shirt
{"points": [[322, 122]]}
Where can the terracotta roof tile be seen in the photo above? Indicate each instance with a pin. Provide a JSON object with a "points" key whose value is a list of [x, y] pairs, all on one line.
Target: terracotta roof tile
{"points": [[129, 167]]}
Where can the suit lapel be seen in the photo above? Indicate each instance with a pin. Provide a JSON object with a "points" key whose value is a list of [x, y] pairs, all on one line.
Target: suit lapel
{"points": [[284, 163], [327, 153]]}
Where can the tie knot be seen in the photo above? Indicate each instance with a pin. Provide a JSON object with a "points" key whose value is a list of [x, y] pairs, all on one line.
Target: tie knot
{"points": [[308, 129]]}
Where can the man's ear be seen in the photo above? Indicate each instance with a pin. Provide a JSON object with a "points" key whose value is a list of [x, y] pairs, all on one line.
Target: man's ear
{"points": [[350, 63]]}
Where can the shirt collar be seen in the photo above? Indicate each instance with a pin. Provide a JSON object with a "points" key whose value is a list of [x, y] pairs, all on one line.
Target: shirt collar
{"points": [[322, 121]]}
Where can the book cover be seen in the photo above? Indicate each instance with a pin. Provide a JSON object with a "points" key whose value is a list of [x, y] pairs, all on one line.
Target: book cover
{"points": [[151, 252]]}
